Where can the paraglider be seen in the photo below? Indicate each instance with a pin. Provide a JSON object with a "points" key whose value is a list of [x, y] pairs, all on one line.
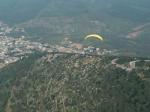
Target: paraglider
{"points": [[94, 36]]}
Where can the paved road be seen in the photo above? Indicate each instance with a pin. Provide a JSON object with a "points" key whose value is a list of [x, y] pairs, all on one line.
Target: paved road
{"points": [[132, 64]]}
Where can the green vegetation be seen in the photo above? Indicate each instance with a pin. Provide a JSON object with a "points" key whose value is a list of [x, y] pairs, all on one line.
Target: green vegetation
{"points": [[51, 21], [77, 83], [72, 83], [9, 75]]}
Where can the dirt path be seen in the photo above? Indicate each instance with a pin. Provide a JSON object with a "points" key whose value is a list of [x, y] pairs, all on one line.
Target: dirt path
{"points": [[137, 31]]}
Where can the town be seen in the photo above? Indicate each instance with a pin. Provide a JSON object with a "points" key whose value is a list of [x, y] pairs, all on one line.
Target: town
{"points": [[13, 49]]}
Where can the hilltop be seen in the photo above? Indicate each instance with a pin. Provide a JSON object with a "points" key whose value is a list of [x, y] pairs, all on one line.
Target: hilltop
{"points": [[74, 82]]}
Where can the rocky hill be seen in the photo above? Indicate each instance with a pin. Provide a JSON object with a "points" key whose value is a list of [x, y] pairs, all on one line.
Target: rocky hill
{"points": [[74, 83]]}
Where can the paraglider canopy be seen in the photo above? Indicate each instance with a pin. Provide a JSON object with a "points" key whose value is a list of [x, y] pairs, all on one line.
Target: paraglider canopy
{"points": [[94, 36]]}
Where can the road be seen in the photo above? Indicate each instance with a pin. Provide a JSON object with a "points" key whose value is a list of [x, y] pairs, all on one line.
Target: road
{"points": [[132, 64]]}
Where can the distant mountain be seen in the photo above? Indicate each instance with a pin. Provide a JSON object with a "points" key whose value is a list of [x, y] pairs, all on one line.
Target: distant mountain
{"points": [[20, 10], [73, 83], [52, 20]]}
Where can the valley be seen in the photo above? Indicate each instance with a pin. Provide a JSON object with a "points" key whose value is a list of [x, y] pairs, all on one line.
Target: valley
{"points": [[74, 56]]}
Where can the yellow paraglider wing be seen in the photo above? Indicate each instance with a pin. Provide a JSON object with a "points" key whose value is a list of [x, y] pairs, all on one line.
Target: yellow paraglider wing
{"points": [[94, 36]]}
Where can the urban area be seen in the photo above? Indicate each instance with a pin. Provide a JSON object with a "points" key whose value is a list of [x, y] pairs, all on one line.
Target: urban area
{"points": [[13, 49]]}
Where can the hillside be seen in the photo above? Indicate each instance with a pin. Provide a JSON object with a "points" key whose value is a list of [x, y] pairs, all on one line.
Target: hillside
{"points": [[16, 11], [70, 83], [52, 20]]}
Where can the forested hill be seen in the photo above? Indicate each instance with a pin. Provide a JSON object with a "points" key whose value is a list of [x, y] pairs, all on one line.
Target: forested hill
{"points": [[24, 10], [124, 23], [71, 83]]}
